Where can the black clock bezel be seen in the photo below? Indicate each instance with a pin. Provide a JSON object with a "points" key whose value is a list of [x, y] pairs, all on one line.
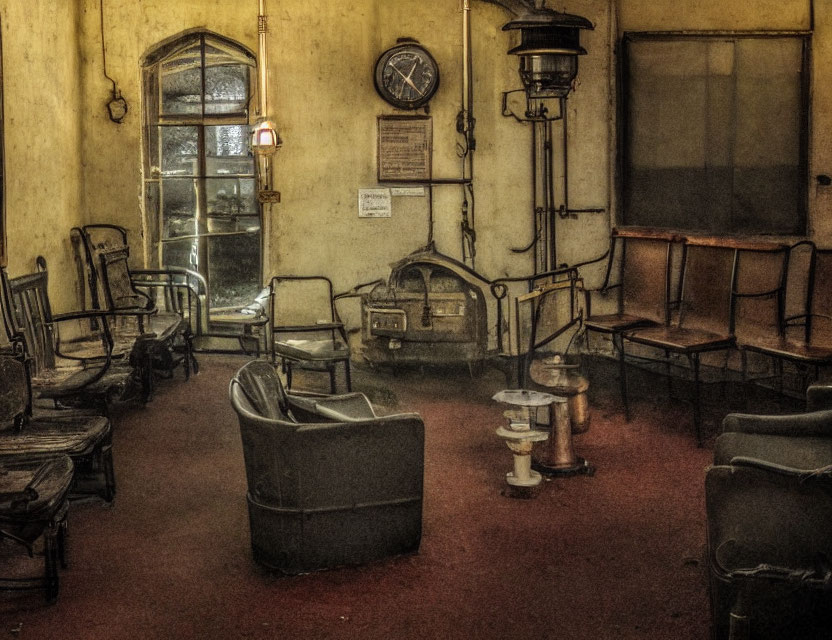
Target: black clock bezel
{"points": [[382, 91]]}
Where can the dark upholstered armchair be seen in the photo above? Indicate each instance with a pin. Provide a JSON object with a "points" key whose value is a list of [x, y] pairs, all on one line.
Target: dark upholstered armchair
{"points": [[329, 482], [769, 507]]}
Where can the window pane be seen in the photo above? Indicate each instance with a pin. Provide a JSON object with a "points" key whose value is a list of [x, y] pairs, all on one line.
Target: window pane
{"points": [[178, 207], [180, 151], [714, 134], [228, 150], [234, 269], [225, 89], [181, 81], [231, 197], [181, 253]]}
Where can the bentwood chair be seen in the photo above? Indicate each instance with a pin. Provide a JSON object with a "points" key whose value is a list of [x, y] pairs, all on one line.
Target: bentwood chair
{"points": [[33, 506], [306, 331], [769, 507]]}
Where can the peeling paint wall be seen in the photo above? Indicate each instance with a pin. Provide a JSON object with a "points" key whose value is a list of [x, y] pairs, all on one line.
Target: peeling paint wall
{"points": [[321, 94], [42, 129], [321, 58]]}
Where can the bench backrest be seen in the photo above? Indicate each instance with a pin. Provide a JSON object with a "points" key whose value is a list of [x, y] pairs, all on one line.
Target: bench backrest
{"points": [[644, 272], [819, 323]]}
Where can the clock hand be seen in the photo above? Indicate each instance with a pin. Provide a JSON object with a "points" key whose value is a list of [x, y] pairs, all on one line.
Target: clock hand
{"points": [[408, 80]]}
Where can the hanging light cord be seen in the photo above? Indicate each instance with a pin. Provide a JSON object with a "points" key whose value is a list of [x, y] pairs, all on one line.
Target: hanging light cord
{"points": [[104, 48]]}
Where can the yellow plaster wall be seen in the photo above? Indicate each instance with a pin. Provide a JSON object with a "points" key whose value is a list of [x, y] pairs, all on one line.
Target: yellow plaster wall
{"points": [[321, 94], [41, 106]]}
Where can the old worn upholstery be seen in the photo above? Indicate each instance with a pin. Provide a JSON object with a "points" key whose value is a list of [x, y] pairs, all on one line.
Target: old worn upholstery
{"points": [[33, 505], [769, 508], [85, 438], [329, 482]]}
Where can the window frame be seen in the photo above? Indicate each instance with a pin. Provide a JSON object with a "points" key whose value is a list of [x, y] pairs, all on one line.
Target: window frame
{"points": [[624, 158], [154, 120]]}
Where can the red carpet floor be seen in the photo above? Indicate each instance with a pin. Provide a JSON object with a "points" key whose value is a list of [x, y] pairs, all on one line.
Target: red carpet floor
{"points": [[616, 555]]}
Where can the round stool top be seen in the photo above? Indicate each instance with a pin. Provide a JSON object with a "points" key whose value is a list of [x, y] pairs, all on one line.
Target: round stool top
{"points": [[555, 376], [525, 397]]}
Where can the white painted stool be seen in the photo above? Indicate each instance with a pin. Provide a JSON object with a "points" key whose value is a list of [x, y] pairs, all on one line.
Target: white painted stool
{"points": [[520, 435]]}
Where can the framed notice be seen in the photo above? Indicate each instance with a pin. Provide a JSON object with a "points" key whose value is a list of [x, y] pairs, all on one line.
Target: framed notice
{"points": [[374, 203], [405, 146]]}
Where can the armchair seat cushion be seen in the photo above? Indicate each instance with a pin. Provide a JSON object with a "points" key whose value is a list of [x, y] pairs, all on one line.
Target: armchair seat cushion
{"points": [[313, 349], [64, 383]]}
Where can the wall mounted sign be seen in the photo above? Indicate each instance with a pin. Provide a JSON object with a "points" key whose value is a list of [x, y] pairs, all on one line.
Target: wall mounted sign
{"points": [[374, 203], [404, 148], [407, 192]]}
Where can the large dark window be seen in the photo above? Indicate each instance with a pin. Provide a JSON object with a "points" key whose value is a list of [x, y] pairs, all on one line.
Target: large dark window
{"points": [[715, 132], [201, 194]]}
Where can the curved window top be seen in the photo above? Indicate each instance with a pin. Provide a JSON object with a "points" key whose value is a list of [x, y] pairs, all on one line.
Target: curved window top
{"points": [[202, 75]]}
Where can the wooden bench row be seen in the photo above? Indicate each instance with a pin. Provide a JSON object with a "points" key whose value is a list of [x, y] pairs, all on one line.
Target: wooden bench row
{"points": [[690, 296]]}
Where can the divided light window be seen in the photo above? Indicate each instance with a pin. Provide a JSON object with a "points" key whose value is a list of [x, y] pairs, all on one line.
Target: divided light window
{"points": [[715, 132], [201, 195]]}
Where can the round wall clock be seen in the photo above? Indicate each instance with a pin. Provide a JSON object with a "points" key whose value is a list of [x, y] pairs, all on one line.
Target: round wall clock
{"points": [[407, 76]]}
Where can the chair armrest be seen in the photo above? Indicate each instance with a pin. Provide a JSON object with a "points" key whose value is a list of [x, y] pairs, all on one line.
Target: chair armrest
{"points": [[349, 407], [815, 423], [819, 397], [804, 475]]}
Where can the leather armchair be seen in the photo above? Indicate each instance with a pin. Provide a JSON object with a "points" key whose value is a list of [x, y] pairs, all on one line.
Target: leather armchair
{"points": [[329, 482], [769, 510]]}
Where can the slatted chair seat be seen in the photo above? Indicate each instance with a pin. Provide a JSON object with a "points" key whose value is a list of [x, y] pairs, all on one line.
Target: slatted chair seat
{"points": [[87, 439], [321, 349], [33, 504], [796, 350]]}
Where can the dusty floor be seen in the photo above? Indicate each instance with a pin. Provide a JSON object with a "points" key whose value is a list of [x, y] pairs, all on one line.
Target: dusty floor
{"points": [[616, 555]]}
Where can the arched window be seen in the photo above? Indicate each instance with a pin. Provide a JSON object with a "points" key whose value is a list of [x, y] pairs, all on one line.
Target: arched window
{"points": [[201, 202]]}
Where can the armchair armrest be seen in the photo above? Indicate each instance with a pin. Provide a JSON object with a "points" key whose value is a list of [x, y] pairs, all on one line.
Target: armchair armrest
{"points": [[803, 475], [816, 423], [819, 397], [350, 407]]}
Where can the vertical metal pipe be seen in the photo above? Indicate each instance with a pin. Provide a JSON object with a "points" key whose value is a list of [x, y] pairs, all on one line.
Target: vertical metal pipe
{"points": [[262, 89]]}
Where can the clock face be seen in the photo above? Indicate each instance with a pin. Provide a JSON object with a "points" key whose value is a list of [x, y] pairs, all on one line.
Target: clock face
{"points": [[407, 76]]}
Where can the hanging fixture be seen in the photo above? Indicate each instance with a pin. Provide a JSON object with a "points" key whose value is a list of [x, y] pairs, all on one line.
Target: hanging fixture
{"points": [[117, 106], [548, 51], [264, 137]]}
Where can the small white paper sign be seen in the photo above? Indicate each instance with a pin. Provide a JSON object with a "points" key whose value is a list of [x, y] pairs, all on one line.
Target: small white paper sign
{"points": [[413, 192], [374, 203]]}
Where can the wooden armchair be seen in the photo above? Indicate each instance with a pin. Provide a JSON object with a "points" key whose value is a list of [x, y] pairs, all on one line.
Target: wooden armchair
{"points": [[33, 506], [69, 356]]}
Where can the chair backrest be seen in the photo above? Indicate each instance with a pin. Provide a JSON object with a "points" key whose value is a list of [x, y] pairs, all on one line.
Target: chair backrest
{"points": [[257, 389], [761, 272], [89, 242], [119, 292], [819, 322], [708, 275], [301, 301], [32, 318], [644, 271], [14, 392]]}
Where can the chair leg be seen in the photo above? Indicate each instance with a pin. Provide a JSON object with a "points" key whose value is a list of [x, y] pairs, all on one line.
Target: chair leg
{"points": [[332, 383], [108, 470], [62, 533], [50, 560], [288, 369], [668, 377], [622, 376], [739, 623], [697, 408], [349, 376]]}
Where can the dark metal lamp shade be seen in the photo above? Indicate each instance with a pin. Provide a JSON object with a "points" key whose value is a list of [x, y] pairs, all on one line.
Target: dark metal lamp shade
{"points": [[549, 50]]}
